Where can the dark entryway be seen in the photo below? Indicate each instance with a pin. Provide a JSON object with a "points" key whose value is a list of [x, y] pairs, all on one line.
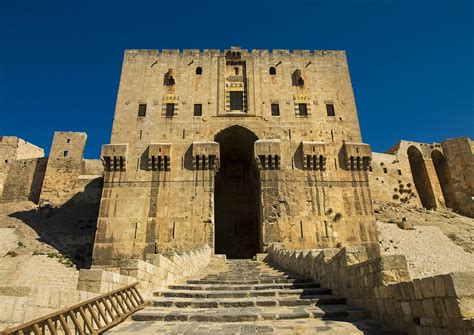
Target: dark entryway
{"points": [[421, 179], [237, 195], [442, 172]]}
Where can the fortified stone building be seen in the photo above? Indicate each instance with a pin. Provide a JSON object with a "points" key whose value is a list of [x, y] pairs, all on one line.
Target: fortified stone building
{"points": [[235, 149]]}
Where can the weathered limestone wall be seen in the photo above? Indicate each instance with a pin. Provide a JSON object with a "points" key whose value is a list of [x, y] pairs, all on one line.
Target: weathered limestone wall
{"points": [[460, 160], [382, 285], [146, 208], [447, 179], [24, 180], [391, 180], [70, 178], [13, 148], [157, 272]]}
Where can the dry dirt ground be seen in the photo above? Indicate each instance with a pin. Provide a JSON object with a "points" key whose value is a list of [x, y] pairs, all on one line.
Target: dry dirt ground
{"points": [[441, 241], [40, 257]]}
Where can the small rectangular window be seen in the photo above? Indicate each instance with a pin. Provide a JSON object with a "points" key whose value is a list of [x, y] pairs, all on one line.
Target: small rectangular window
{"points": [[399, 172], [385, 170], [236, 100], [169, 110], [303, 109], [68, 140], [141, 110], [275, 110], [330, 110], [66, 153], [197, 110]]}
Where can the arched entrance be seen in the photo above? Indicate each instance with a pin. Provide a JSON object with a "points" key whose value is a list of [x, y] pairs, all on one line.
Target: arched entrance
{"points": [[442, 172], [420, 178], [237, 195]]}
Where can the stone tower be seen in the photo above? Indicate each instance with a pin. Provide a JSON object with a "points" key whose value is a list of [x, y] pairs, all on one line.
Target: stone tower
{"points": [[235, 149]]}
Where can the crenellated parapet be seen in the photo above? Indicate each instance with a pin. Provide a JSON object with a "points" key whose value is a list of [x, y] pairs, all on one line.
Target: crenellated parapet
{"points": [[357, 156], [314, 155], [268, 154], [114, 157], [159, 156], [205, 155]]}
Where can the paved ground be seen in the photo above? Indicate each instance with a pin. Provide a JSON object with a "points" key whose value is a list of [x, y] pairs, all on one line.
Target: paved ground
{"points": [[306, 326]]}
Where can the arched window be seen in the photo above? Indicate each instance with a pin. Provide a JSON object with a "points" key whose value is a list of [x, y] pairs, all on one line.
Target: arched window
{"points": [[199, 70], [236, 71], [273, 71]]}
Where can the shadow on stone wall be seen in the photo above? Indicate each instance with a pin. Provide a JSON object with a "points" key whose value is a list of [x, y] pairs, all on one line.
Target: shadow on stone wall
{"points": [[70, 228]]}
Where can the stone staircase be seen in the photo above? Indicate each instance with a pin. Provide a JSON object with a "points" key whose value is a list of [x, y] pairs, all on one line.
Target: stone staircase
{"points": [[240, 291]]}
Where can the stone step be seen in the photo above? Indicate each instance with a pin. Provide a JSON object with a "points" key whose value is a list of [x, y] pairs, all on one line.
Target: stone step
{"points": [[310, 300], [251, 281], [337, 312], [241, 287], [274, 327], [242, 294]]}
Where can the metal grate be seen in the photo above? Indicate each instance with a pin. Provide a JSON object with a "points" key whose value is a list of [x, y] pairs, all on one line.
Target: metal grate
{"points": [[236, 100]]}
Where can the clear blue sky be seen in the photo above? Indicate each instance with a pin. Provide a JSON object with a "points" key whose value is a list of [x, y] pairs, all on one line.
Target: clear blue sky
{"points": [[411, 61]]}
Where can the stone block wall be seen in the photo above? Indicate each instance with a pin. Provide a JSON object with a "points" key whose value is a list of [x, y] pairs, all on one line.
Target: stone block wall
{"points": [[158, 271], [24, 180], [391, 180], [301, 198], [460, 160], [12, 149], [429, 175], [19, 304], [432, 305]]}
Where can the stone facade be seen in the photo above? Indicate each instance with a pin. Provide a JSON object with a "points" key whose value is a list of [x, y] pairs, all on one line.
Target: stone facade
{"points": [[64, 177], [432, 305], [428, 175], [235, 149], [12, 150]]}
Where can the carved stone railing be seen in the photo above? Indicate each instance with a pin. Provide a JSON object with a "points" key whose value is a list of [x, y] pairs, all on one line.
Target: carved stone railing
{"points": [[88, 317]]}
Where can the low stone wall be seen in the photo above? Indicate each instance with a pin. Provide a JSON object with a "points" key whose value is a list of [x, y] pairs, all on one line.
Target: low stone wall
{"points": [[158, 271], [19, 304], [432, 305]]}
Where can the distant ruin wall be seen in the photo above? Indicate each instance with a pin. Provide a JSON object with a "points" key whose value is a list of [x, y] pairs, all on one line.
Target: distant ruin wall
{"points": [[426, 175], [24, 180], [460, 160], [69, 178], [391, 180]]}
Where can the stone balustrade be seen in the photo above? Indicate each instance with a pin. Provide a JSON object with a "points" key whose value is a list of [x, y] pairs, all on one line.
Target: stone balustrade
{"points": [[157, 271], [432, 305]]}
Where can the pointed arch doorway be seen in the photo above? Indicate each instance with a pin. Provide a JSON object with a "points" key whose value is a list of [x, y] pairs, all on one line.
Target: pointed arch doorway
{"points": [[237, 195]]}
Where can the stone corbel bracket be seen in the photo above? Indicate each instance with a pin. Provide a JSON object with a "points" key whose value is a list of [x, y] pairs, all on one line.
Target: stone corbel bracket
{"points": [[206, 156], [114, 157], [357, 156], [314, 155], [267, 154], [159, 156]]}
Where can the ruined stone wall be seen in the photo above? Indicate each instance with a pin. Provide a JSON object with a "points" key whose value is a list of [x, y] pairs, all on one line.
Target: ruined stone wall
{"points": [[12, 149], [460, 160], [391, 180], [24, 180], [444, 175], [147, 207], [65, 180]]}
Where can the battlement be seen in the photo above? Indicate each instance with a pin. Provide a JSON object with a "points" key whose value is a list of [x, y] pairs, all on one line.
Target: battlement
{"points": [[244, 52]]}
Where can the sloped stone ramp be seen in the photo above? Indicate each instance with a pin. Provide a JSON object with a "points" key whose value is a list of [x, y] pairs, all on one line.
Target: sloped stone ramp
{"points": [[249, 297]]}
